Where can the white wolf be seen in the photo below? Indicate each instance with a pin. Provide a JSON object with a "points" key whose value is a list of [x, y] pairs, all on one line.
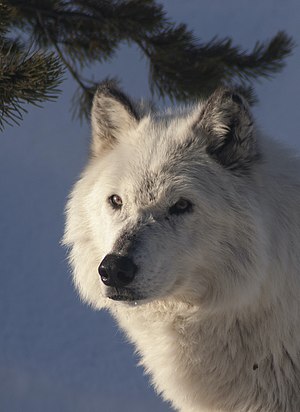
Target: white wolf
{"points": [[192, 219]]}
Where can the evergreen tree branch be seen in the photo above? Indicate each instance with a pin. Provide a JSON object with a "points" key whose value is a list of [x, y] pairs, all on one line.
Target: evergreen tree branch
{"points": [[26, 76], [207, 66], [83, 32], [82, 99], [59, 52]]}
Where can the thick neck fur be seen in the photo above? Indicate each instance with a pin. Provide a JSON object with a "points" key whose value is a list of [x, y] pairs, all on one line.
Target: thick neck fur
{"points": [[226, 359], [220, 354]]}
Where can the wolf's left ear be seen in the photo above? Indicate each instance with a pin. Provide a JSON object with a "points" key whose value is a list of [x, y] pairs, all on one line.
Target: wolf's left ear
{"points": [[226, 123], [113, 114]]}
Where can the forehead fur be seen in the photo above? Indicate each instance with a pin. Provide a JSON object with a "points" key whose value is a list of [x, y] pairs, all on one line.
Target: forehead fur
{"points": [[159, 159], [222, 126], [160, 142], [167, 138], [159, 152]]}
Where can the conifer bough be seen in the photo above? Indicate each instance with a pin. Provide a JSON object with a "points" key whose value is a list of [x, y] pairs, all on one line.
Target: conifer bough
{"points": [[83, 32]]}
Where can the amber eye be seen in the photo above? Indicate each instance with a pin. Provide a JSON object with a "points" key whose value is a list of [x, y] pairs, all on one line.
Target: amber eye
{"points": [[115, 201], [180, 207]]}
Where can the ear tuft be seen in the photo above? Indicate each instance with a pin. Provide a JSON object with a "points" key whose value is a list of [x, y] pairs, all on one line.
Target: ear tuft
{"points": [[227, 124], [113, 113]]}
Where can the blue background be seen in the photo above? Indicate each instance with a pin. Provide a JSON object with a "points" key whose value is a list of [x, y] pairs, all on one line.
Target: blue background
{"points": [[55, 353]]}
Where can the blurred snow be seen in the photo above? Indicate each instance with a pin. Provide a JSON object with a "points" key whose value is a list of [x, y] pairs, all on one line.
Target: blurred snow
{"points": [[55, 353]]}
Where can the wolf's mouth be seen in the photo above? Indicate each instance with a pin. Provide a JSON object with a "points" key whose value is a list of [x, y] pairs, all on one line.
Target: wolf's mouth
{"points": [[123, 298], [124, 295]]}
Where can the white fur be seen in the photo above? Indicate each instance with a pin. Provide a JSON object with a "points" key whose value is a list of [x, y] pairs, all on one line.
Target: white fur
{"points": [[219, 326]]}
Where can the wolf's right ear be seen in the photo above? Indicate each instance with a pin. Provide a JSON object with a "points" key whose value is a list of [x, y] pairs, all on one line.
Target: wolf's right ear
{"points": [[112, 115]]}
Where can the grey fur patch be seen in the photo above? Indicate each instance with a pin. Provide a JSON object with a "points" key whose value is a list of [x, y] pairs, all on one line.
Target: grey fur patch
{"points": [[127, 241], [148, 187], [228, 128]]}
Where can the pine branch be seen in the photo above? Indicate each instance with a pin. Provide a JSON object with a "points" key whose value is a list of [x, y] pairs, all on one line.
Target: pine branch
{"points": [[265, 60], [83, 32], [184, 68], [25, 77]]}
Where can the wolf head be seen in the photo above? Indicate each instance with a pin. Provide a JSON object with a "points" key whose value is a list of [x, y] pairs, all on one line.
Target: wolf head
{"points": [[166, 207]]}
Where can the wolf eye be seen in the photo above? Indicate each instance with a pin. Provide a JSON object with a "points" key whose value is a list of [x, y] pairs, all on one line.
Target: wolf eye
{"points": [[115, 201], [180, 207]]}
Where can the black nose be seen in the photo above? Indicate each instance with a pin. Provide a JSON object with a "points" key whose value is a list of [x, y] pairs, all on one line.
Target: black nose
{"points": [[117, 271]]}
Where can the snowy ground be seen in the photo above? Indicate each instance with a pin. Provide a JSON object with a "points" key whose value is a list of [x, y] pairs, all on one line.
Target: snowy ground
{"points": [[55, 353]]}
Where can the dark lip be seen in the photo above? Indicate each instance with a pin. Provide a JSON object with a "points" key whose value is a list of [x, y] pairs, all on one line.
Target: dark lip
{"points": [[123, 298], [124, 295]]}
